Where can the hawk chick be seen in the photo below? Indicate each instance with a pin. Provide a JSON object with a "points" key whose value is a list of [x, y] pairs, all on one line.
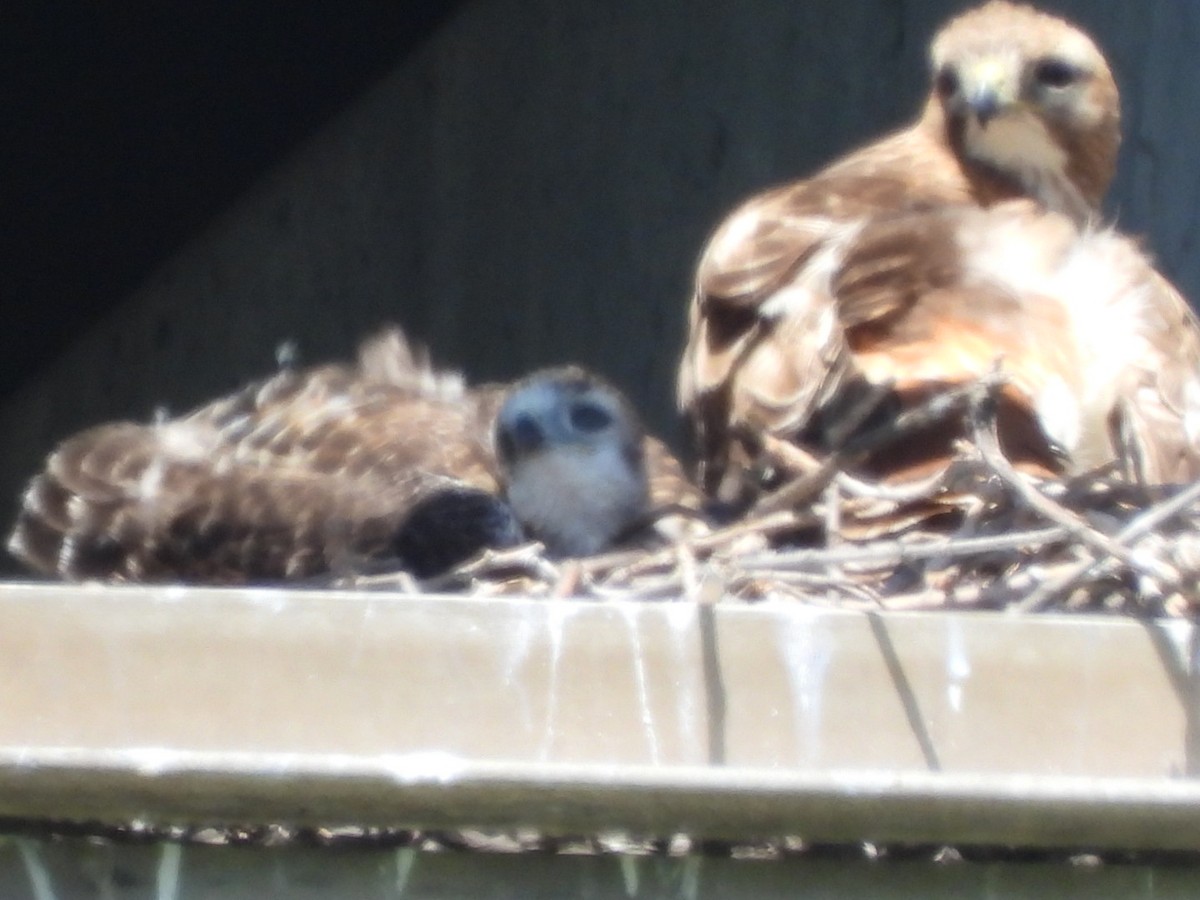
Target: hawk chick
{"points": [[309, 471], [573, 457]]}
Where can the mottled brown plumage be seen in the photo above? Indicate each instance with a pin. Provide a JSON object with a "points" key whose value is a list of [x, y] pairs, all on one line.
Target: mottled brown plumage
{"points": [[389, 461], [1101, 353], [1022, 105]]}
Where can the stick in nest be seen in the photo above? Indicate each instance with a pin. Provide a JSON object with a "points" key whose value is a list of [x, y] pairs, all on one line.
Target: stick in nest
{"points": [[953, 401], [983, 427], [1093, 568], [893, 553]]}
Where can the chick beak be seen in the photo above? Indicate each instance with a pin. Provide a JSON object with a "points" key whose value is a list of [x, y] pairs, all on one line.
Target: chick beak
{"points": [[520, 437]]}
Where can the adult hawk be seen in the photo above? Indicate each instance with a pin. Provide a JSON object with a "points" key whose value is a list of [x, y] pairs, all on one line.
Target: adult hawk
{"points": [[1021, 105], [309, 471]]}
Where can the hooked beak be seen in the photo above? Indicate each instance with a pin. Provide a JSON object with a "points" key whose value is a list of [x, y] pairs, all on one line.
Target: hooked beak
{"points": [[519, 437], [989, 89], [985, 104]]}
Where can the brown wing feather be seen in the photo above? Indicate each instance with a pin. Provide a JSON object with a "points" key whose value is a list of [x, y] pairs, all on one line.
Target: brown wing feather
{"points": [[280, 480], [741, 351], [669, 484], [131, 502], [1158, 406], [336, 421]]}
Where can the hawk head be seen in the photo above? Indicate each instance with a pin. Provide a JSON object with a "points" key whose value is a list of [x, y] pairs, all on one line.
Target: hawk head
{"points": [[571, 451], [1031, 98]]}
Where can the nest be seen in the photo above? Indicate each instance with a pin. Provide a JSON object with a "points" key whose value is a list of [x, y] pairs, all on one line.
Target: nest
{"points": [[1103, 540]]}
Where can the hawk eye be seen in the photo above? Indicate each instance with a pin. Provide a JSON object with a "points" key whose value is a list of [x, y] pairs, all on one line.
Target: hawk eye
{"points": [[1056, 73], [589, 417], [946, 82]]}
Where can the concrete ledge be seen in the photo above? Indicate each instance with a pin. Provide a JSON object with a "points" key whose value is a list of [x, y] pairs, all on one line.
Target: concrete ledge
{"points": [[717, 803], [201, 705]]}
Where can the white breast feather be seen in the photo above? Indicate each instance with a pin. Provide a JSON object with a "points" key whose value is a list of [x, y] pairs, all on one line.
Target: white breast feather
{"points": [[1015, 142], [577, 499], [1095, 280]]}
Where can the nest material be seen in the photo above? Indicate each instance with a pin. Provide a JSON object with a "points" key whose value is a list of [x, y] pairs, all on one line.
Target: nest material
{"points": [[1098, 541]]}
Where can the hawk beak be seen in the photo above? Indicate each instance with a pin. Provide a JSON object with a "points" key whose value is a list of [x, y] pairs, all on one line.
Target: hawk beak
{"points": [[520, 437], [988, 88], [985, 104]]}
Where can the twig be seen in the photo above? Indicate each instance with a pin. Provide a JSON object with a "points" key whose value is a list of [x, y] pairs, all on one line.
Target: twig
{"points": [[983, 426], [812, 580], [1094, 568], [801, 490], [529, 558], [953, 401], [790, 457], [906, 492], [569, 580], [1161, 512], [722, 537], [897, 552]]}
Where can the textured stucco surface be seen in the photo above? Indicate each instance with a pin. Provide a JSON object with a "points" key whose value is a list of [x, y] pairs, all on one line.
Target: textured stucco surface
{"points": [[534, 184]]}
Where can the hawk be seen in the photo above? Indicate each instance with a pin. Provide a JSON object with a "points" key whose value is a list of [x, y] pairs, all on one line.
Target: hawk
{"points": [[1022, 105], [390, 461]]}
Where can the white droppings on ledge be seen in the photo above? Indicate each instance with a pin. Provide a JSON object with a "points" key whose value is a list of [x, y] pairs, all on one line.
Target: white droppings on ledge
{"points": [[958, 666], [684, 621], [556, 623], [630, 615], [806, 653]]}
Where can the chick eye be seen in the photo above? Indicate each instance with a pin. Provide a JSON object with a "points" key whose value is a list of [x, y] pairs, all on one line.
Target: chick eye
{"points": [[588, 417], [1056, 73], [946, 82]]}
